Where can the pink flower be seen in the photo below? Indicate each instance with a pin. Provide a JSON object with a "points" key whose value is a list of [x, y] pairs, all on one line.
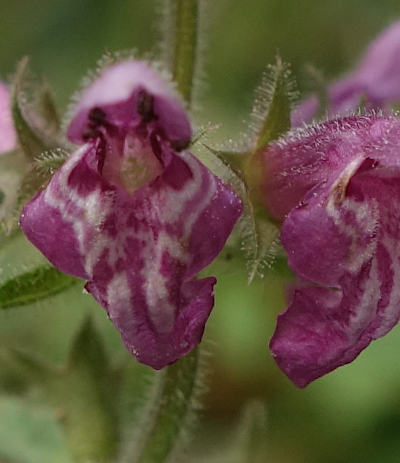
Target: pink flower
{"points": [[7, 132], [336, 187], [135, 214], [376, 81]]}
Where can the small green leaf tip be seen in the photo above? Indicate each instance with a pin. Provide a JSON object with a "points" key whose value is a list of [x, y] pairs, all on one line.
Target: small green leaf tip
{"points": [[273, 105], [34, 285]]}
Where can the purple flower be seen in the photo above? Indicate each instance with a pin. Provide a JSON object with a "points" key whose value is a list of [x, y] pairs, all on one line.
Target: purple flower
{"points": [[7, 132], [336, 187], [135, 214], [376, 81]]}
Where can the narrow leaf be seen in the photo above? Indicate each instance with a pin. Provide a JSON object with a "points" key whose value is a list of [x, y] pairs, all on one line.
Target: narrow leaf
{"points": [[88, 396], [40, 283], [173, 400]]}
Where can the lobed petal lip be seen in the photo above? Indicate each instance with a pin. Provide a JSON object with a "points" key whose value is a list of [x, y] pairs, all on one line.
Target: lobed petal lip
{"points": [[8, 138], [118, 94]]}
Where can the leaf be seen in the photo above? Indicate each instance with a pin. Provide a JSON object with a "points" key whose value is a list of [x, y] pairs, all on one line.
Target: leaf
{"points": [[84, 393], [88, 397], [41, 282], [171, 407], [274, 100]]}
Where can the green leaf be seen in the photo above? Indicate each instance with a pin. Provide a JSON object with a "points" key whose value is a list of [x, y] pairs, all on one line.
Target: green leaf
{"points": [[88, 397], [41, 282], [170, 409], [274, 100]]}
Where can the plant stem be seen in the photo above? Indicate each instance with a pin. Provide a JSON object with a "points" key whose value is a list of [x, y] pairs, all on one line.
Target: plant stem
{"points": [[184, 45]]}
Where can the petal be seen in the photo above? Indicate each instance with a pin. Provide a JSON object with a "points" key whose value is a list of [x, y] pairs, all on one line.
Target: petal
{"points": [[355, 257], [316, 155], [62, 220], [124, 95], [138, 250], [161, 238], [379, 71], [7, 132]]}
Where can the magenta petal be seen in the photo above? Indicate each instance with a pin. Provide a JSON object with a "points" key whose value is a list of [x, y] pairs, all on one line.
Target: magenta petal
{"points": [[7, 132], [124, 94], [57, 221], [316, 155], [326, 327]]}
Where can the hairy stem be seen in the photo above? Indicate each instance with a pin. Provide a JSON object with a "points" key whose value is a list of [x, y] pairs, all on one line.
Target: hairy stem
{"points": [[184, 16]]}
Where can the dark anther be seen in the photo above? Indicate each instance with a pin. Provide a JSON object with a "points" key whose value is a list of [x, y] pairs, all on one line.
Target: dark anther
{"points": [[89, 134], [145, 106], [2, 197], [96, 117], [179, 145]]}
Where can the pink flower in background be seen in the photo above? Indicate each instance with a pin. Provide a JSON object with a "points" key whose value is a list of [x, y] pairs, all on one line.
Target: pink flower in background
{"points": [[135, 214], [376, 81], [7, 132], [336, 187]]}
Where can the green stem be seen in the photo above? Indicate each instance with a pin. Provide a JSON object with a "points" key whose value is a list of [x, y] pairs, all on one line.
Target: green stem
{"points": [[169, 408], [184, 45]]}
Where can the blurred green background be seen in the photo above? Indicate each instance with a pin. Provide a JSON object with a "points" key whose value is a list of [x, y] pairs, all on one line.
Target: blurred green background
{"points": [[353, 414]]}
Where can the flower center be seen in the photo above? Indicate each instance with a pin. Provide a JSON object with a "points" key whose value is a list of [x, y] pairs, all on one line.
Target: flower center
{"points": [[137, 166]]}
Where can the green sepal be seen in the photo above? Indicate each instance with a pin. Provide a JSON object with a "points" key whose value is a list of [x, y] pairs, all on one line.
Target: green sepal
{"points": [[274, 102], [12, 170], [257, 233], [36, 123], [34, 285]]}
